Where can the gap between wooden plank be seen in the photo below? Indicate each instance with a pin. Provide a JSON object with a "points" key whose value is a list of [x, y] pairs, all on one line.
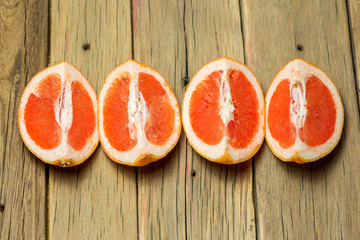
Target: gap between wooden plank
{"points": [[136, 171], [353, 9], [185, 82], [254, 196], [47, 168]]}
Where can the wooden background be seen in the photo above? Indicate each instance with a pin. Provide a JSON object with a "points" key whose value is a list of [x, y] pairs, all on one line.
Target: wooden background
{"points": [[182, 196]]}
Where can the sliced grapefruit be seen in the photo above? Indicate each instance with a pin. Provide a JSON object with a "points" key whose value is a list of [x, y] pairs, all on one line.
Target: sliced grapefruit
{"points": [[57, 116], [139, 116], [223, 112], [305, 115]]}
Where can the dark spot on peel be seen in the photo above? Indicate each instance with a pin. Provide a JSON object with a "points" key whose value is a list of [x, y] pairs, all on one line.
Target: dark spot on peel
{"points": [[193, 173], [2, 207]]}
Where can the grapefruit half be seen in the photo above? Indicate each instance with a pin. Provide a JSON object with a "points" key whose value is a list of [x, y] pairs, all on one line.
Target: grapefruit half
{"points": [[305, 115], [223, 112], [57, 116], [139, 116]]}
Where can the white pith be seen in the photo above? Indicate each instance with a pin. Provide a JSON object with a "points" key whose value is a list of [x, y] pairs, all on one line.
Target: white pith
{"points": [[64, 153], [138, 114], [298, 109], [64, 115], [137, 109], [300, 149], [226, 105], [215, 152]]}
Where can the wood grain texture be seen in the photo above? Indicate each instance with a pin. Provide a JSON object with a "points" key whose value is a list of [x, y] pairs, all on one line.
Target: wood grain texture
{"points": [[182, 196], [96, 200], [354, 24], [23, 52], [219, 203], [158, 33], [318, 200]]}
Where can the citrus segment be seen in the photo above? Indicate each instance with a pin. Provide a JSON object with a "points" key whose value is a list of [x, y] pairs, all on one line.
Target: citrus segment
{"points": [[319, 125], [57, 116], [49, 87], [204, 105], [305, 115], [223, 112], [39, 118], [84, 120], [241, 130], [116, 111], [279, 122], [160, 124], [139, 117]]}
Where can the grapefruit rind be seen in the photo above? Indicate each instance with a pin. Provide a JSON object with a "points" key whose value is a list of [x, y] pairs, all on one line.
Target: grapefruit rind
{"points": [[144, 152], [300, 152], [223, 152], [56, 156]]}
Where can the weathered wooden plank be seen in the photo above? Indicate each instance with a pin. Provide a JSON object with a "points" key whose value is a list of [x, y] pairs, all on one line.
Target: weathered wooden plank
{"points": [[23, 52], [354, 20], [98, 198], [158, 33], [319, 200], [219, 203]]}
